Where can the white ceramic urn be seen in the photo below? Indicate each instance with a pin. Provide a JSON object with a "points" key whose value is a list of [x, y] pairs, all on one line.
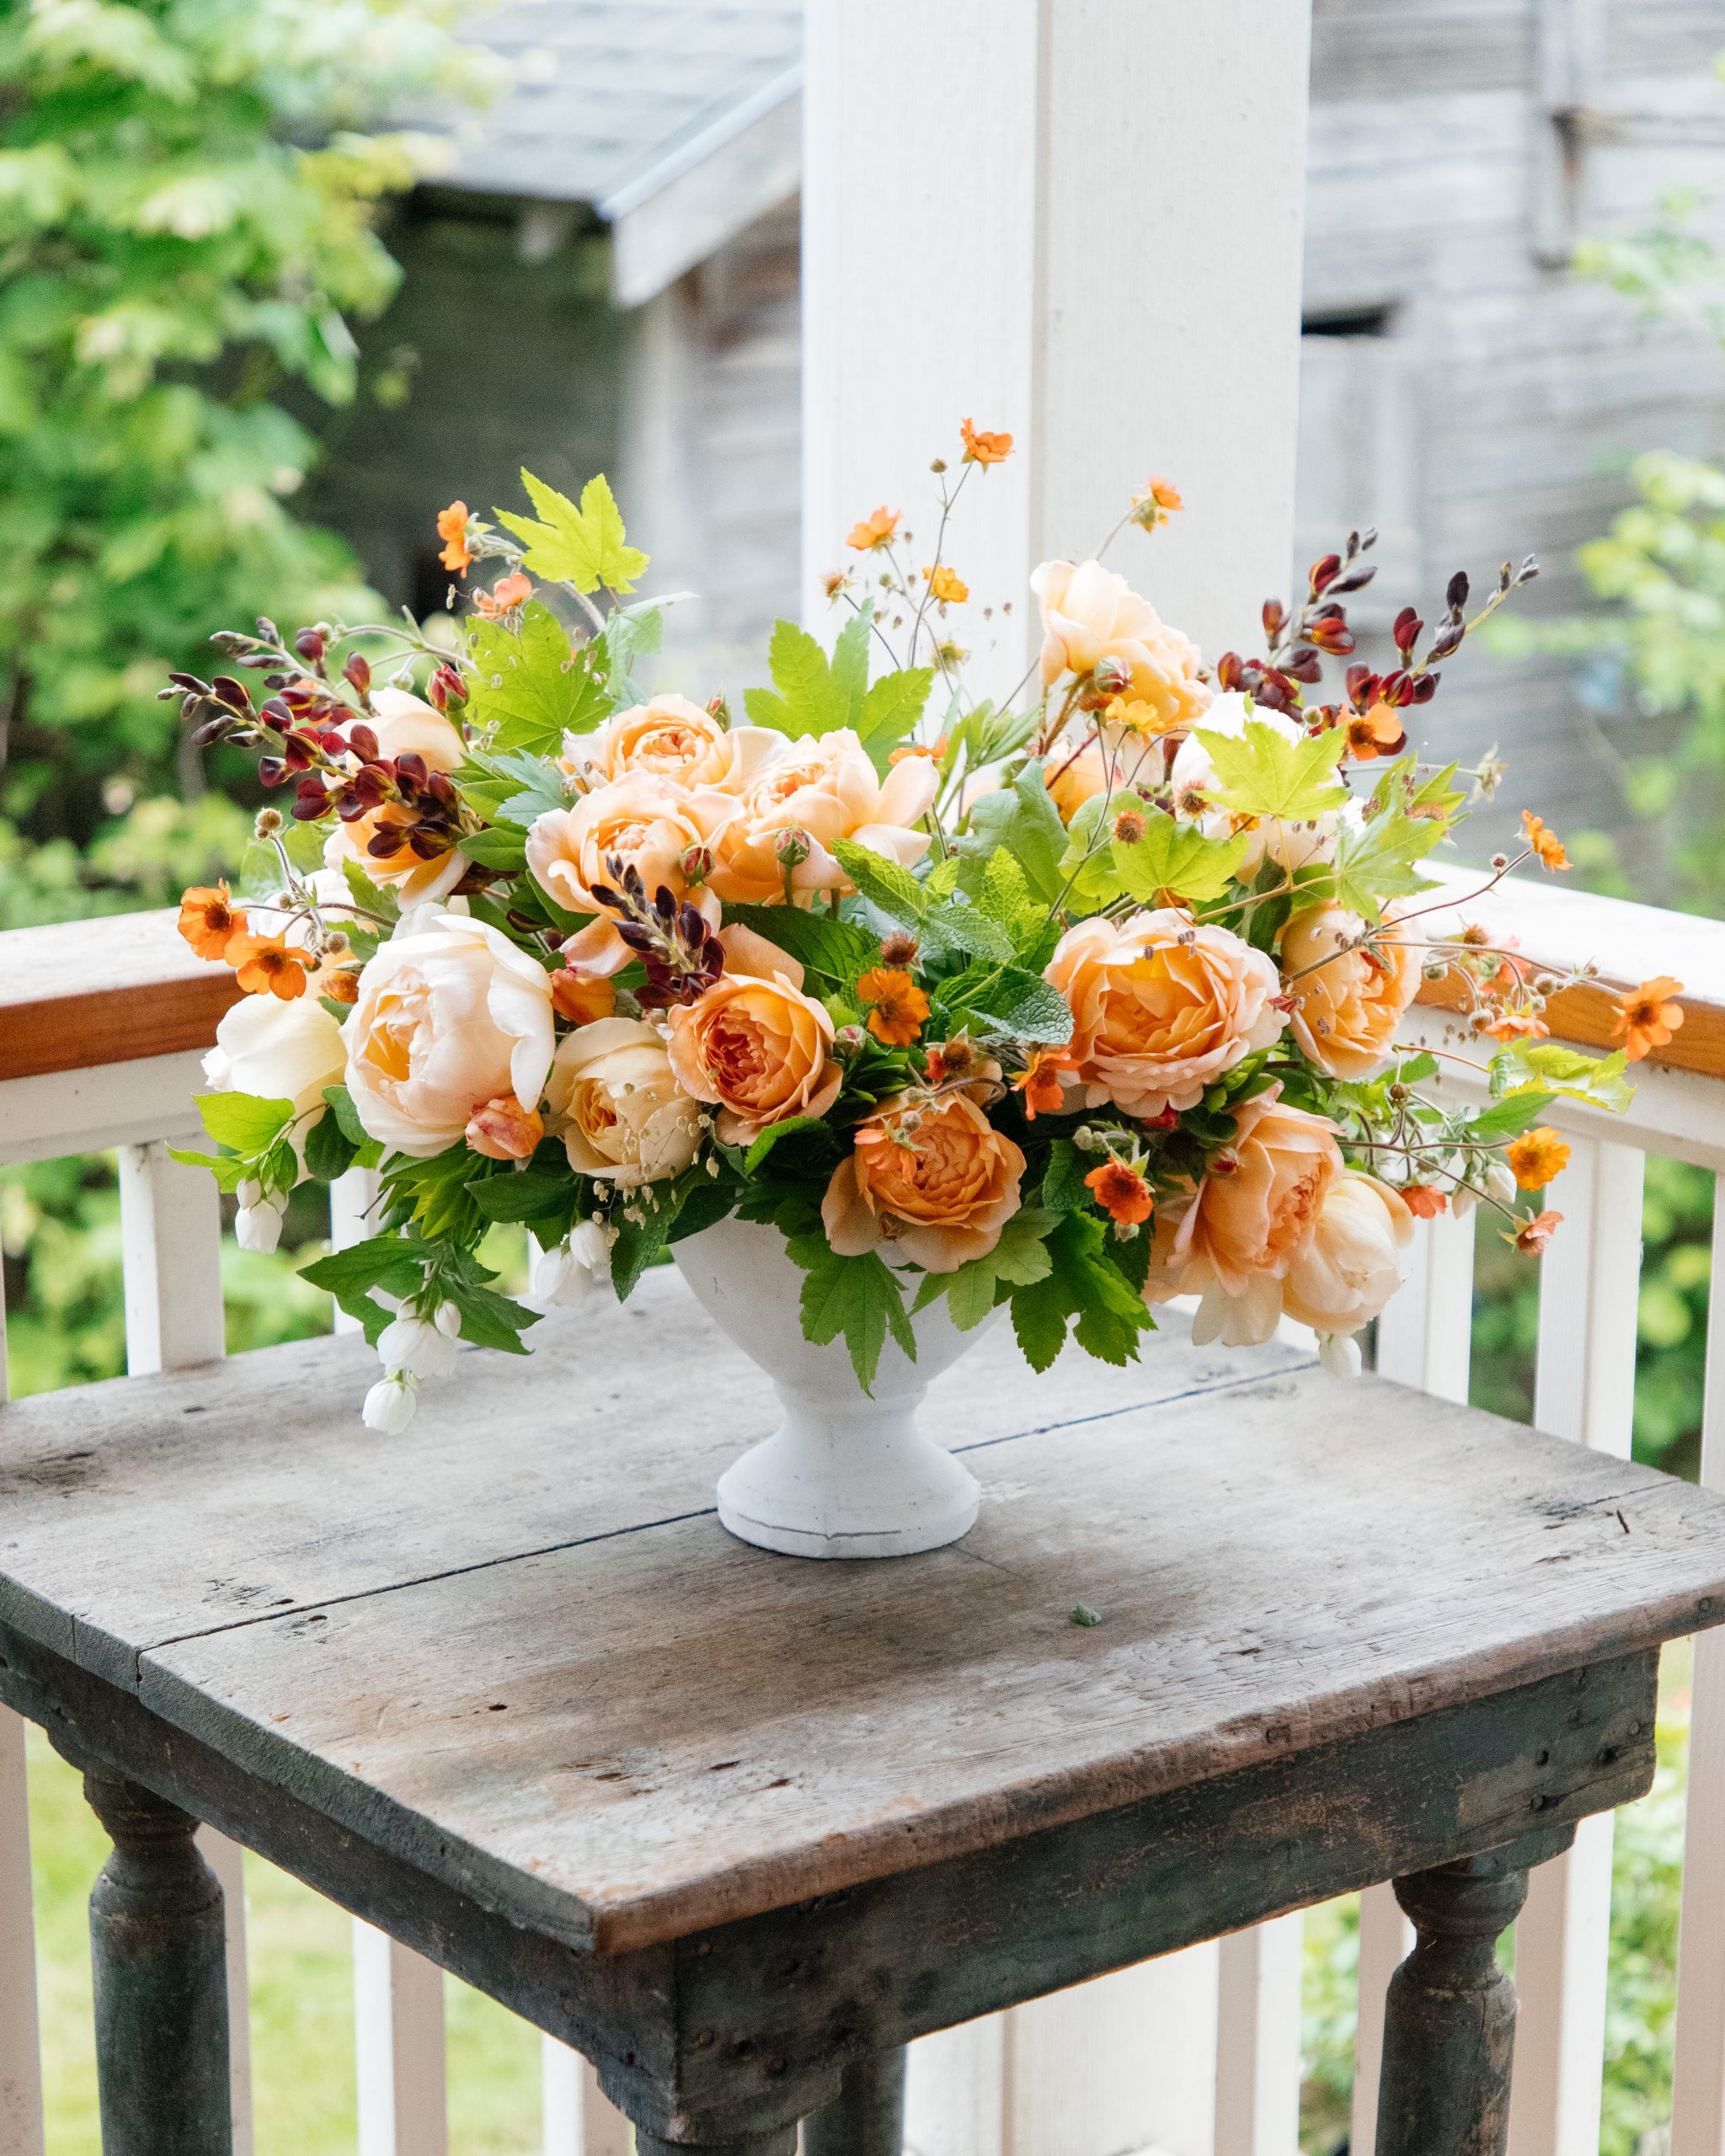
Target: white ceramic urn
{"points": [[847, 1474]]}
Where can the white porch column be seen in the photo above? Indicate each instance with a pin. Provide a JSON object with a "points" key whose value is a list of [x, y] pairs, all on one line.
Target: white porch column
{"points": [[1078, 221]]}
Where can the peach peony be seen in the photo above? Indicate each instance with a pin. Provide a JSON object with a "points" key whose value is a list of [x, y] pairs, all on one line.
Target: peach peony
{"points": [[939, 1191], [755, 1045], [405, 725], [671, 737], [616, 1105], [449, 1016], [1161, 1009], [1239, 1237], [651, 821], [826, 789], [1354, 1266], [1348, 1005], [1089, 614]]}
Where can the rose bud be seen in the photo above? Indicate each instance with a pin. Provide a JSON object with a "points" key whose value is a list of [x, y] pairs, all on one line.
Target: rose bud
{"points": [[504, 1130], [582, 998], [446, 689], [793, 847]]}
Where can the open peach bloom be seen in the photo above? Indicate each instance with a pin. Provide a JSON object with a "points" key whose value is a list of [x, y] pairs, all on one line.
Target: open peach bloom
{"points": [[615, 1103], [753, 1045], [404, 725], [823, 790], [933, 1178], [1354, 1265], [671, 737], [1161, 1009], [652, 824], [1090, 614], [1349, 1003]]}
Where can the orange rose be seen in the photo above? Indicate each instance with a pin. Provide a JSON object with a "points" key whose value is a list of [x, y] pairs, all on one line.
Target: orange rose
{"points": [[755, 1046], [1089, 614], [671, 737], [1161, 1009], [1247, 1227], [933, 1177], [652, 823], [1348, 1005], [826, 789]]}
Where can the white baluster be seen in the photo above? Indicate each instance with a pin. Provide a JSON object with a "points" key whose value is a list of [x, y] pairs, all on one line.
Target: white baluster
{"points": [[352, 1219], [1258, 2040], [578, 2118], [170, 1225], [20, 2045], [1698, 2074], [1585, 1390], [958, 2090], [398, 2040]]}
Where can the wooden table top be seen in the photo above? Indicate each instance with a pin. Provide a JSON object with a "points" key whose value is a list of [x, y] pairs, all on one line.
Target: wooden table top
{"points": [[515, 1646]]}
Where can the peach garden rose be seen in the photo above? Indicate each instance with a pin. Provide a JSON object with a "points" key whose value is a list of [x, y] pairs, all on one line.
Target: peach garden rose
{"points": [[615, 1103], [650, 822], [1353, 1266], [1349, 999], [823, 789], [938, 1193], [753, 1044], [1090, 613], [671, 737]]}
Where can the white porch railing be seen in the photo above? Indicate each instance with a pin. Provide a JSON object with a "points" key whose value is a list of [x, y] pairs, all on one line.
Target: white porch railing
{"points": [[1197, 2055]]}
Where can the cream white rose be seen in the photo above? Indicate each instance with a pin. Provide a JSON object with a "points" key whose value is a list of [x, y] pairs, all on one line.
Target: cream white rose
{"points": [[449, 1016], [277, 1051], [615, 1103]]}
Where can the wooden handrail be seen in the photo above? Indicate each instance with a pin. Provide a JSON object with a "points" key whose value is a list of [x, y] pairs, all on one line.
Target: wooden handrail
{"points": [[85, 993]]}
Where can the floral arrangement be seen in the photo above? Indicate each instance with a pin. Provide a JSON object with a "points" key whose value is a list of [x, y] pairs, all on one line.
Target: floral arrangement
{"points": [[1075, 1001]]}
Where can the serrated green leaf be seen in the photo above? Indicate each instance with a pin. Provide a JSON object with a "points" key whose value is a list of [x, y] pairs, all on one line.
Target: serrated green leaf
{"points": [[856, 1296], [1023, 819], [528, 689], [1176, 861], [838, 950], [1003, 894], [889, 712], [522, 1195], [893, 889], [1011, 1002], [1260, 773], [395, 1264], [809, 701], [1063, 1187], [373, 897], [1599, 1080], [242, 1123], [584, 547], [850, 662], [1374, 859], [942, 879], [1019, 1259]]}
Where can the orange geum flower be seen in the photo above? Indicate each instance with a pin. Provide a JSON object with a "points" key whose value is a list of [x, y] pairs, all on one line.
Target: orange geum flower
{"points": [[1122, 1192], [875, 532], [1646, 1017], [900, 1006], [1543, 841], [1424, 1200], [946, 585], [1516, 1025], [508, 591], [1532, 1235], [209, 921], [1536, 1157], [264, 965], [1374, 733], [452, 529], [982, 448], [1039, 1082]]}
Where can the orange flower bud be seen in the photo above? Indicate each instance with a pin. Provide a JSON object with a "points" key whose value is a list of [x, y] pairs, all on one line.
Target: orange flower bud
{"points": [[504, 1130]]}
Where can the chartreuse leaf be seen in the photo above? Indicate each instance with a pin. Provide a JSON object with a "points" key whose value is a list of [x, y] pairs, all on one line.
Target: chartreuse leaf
{"points": [[809, 701], [856, 1296], [1260, 773], [527, 690], [893, 889], [1023, 819], [1088, 866], [245, 1124], [850, 662], [1175, 861], [889, 710], [1019, 1258], [1599, 1080], [584, 547], [1508, 1117]]}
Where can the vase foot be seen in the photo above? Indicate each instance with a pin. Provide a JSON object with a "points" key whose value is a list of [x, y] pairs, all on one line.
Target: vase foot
{"points": [[887, 1495]]}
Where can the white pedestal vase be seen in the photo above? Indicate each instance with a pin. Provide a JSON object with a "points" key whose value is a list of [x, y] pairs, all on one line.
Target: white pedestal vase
{"points": [[847, 1474]]}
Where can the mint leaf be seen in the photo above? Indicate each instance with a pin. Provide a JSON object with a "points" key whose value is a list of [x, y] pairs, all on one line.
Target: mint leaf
{"points": [[1011, 1001], [1260, 773], [838, 950], [584, 547], [893, 889]]}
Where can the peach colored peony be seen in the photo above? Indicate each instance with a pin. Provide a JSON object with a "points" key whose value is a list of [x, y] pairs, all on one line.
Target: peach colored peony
{"points": [[1348, 1005], [1237, 1238], [616, 1105], [651, 821], [826, 789], [671, 737], [404, 725], [939, 1193], [1354, 1266], [1161, 1009], [754, 1044], [449, 1016], [1089, 614]]}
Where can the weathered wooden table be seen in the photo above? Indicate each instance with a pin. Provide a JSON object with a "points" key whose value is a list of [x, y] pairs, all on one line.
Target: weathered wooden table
{"points": [[737, 1826]]}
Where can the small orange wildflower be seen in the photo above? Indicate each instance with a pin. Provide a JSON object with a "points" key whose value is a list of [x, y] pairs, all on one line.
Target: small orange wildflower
{"points": [[1374, 733], [1424, 1200], [1039, 1082], [581, 997], [508, 591], [906, 749], [1646, 1017], [1532, 1235], [900, 1006], [1536, 1157], [984, 449], [875, 532], [946, 585], [264, 965], [452, 529], [1122, 1192], [209, 921], [1543, 841], [1516, 1025]]}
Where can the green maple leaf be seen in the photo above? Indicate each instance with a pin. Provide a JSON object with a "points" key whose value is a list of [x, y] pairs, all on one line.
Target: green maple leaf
{"points": [[529, 690], [1549, 1066], [1260, 773], [1174, 858], [584, 547]]}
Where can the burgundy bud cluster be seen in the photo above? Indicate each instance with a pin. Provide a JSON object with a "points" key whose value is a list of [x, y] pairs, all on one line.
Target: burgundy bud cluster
{"points": [[447, 690], [683, 956]]}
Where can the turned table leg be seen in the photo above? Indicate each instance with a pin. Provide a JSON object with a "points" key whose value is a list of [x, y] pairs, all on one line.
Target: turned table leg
{"points": [[157, 1939], [867, 2118], [1450, 2017], [780, 2143]]}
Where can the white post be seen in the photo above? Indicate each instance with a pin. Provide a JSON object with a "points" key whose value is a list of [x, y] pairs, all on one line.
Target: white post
{"points": [[399, 2043], [1698, 2072], [20, 2047], [576, 2117], [1258, 2040], [170, 1225], [1142, 166], [1585, 1389]]}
